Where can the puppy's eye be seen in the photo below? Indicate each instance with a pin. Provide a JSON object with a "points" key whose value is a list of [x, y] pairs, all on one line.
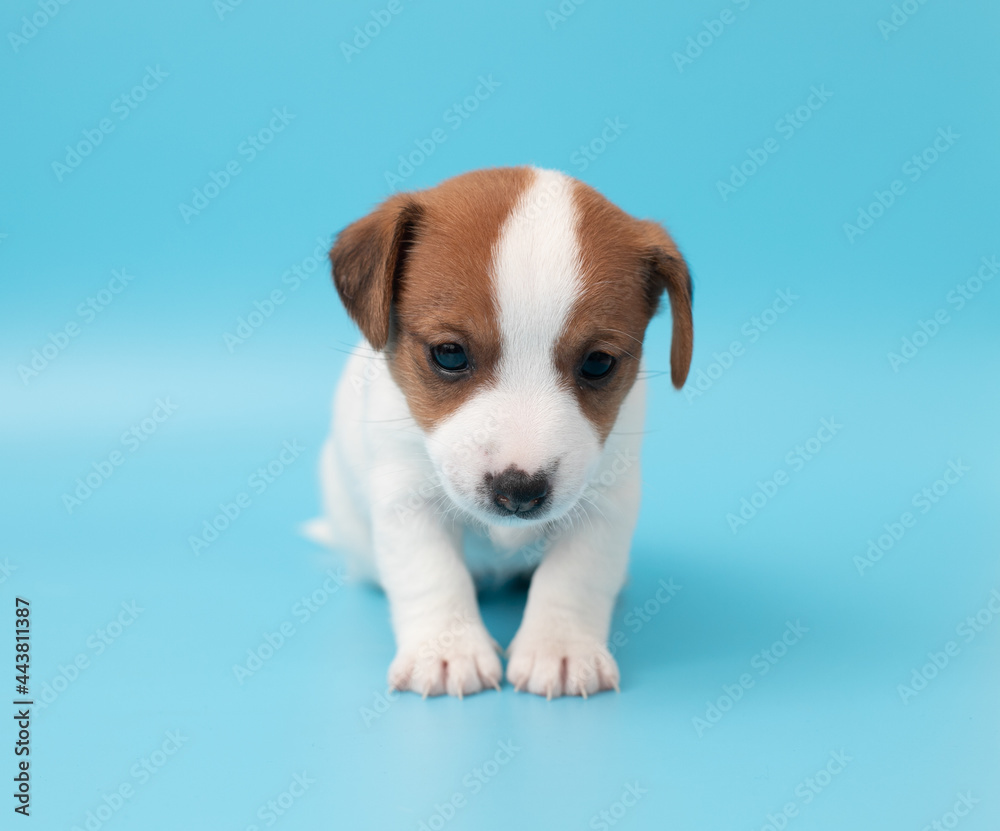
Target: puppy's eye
{"points": [[450, 357], [597, 365]]}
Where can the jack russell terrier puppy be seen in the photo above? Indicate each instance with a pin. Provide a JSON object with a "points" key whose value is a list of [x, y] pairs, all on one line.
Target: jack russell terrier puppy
{"points": [[491, 421]]}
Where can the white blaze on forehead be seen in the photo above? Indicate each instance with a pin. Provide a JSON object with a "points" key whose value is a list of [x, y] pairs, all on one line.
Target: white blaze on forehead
{"points": [[529, 417], [536, 278]]}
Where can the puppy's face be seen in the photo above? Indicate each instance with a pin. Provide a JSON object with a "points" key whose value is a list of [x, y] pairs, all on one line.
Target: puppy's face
{"points": [[512, 304]]}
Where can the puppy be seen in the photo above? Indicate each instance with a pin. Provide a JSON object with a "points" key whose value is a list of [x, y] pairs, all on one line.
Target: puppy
{"points": [[491, 421]]}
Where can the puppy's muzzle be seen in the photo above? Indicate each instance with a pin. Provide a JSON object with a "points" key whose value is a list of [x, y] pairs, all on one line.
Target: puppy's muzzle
{"points": [[515, 493]]}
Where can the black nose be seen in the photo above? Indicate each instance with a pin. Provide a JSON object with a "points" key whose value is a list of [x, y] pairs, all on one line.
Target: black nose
{"points": [[516, 492]]}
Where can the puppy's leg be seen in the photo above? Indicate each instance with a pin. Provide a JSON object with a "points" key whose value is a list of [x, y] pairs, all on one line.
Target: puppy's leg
{"points": [[561, 646], [442, 644]]}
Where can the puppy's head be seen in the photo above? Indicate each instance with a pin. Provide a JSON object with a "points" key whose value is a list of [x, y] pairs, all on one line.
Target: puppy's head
{"points": [[512, 305]]}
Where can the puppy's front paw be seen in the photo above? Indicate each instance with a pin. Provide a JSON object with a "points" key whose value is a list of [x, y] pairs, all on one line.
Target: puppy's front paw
{"points": [[457, 664], [560, 664]]}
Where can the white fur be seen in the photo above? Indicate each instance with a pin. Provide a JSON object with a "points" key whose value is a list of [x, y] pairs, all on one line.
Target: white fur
{"points": [[404, 506]]}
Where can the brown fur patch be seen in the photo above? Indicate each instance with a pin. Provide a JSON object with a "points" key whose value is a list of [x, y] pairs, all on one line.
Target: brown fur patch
{"points": [[442, 293], [367, 260], [626, 264]]}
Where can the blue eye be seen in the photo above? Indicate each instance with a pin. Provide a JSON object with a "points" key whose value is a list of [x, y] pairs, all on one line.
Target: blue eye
{"points": [[450, 357], [597, 365]]}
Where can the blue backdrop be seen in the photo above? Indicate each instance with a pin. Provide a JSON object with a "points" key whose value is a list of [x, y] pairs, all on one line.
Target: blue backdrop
{"points": [[809, 637]]}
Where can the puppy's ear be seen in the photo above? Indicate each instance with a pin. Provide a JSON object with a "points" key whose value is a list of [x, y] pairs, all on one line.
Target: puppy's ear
{"points": [[669, 271], [367, 259]]}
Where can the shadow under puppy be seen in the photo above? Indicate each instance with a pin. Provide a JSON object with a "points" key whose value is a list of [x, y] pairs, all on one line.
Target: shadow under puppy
{"points": [[492, 419]]}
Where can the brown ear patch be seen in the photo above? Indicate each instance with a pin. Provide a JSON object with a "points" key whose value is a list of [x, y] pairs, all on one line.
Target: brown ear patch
{"points": [[669, 272], [444, 291], [625, 266], [367, 259]]}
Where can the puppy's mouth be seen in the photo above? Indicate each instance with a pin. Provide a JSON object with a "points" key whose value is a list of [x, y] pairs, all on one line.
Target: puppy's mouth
{"points": [[493, 514], [508, 510]]}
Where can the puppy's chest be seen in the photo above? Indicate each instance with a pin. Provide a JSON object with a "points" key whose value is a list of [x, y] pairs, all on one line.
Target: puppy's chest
{"points": [[503, 553]]}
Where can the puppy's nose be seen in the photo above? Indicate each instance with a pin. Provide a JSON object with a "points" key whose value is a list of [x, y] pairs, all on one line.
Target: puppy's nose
{"points": [[517, 492]]}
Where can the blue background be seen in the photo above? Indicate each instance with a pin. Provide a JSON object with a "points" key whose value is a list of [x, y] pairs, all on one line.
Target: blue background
{"points": [[310, 708]]}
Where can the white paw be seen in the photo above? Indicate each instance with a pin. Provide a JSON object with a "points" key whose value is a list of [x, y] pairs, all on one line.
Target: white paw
{"points": [[457, 664], [554, 665]]}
